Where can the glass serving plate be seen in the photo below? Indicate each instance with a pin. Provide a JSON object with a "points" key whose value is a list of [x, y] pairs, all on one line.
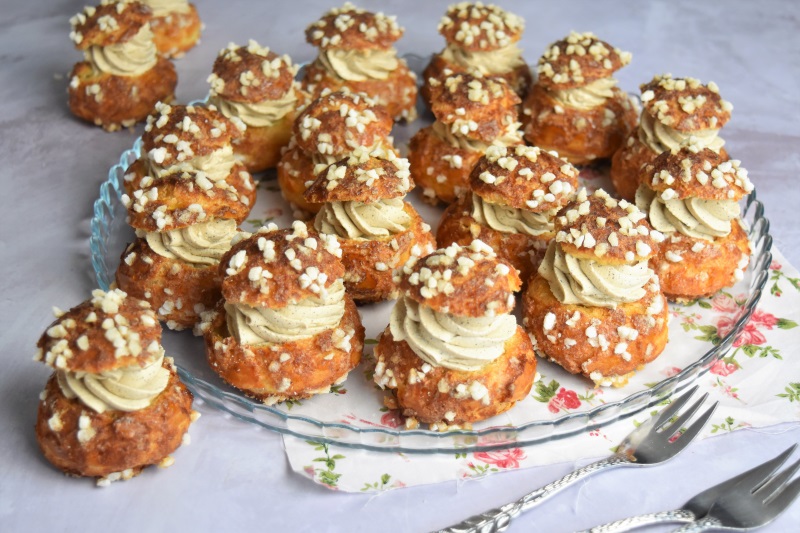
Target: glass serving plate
{"points": [[353, 414]]}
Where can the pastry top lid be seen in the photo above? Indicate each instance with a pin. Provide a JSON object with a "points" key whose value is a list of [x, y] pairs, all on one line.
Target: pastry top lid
{"points": [[462, 280], [473, 106], [524, 177], [111, 330], [480, 27], [182, 199], [273, 268], [362, 177], [176, 133], [337, 123], [111, 22], [578, 60], [696, 172], [606, 230], [685, 104], [351, 28], [251, 73]]}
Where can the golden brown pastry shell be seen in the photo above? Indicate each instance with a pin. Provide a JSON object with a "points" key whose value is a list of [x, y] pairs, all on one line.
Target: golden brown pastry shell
{"points": [[247, 367], [125, 100], [582, 358], [122, 440], [129, 17], [703, 273], [519, 78], [149, 276], [627, 163], [524, 252], [363, 281], [397, 93], [295, 169], [508, 378], [425, 153], [260, 148], [176, 33], [561, 131], [705, 160]]}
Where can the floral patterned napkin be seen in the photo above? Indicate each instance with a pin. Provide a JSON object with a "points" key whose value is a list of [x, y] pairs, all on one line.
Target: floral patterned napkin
{"points": [[753, 383]]}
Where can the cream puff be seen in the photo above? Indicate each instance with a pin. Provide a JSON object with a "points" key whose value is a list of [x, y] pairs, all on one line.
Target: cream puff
{"points": [[674, 109], [285, 328], [176, 26], [453, 353], [595, 307], [257, 86], [514, 196], [356, 52], [472, 113], [185, 195], [575, 107], [330, 128], [483, 38], [121, 77], [363, 205], [114, 403], [691, 196]]}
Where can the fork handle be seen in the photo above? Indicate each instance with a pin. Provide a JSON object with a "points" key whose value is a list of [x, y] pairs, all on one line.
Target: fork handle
{"points": [[626, 524], [704, 524], [496, 520]]}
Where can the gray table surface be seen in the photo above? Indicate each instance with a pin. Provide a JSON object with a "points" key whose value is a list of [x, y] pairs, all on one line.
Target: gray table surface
{"points": [[234, 477]]}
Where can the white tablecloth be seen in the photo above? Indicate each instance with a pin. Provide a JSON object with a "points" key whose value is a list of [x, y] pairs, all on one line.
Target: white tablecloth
{"points": [[233, 476]]}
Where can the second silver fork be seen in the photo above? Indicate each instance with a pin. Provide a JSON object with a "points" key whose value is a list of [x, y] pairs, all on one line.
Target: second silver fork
{"points": [[653, 442]]}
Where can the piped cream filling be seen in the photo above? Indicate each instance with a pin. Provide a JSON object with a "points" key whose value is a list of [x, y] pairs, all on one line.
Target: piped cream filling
{"points": [[511, 220], [358, 220], [124, 389], [215, 166], [450, 341], [588, 96], [200, 244], [660, 137], [162, 8], [261, 114], [510, 137], [131, 58], [357, 65], [307, 318], [489, 63], [587, 282], [693, 217]]}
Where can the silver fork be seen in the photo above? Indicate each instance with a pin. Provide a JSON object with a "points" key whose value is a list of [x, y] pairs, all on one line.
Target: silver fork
{"points": [[699, 505], [655, 441], [753, 502]]}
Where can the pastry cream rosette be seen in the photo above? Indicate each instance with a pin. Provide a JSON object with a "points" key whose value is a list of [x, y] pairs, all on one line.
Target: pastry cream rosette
{"points": [[185, 196], [285, 328], [575, 107], [362, 198], [480, 38], [255, 85], [595, 307], [122, 77], [114, 403], [676, 111], [176, 26], [515, 194], [453, 353], [356, 52], [691, 195], [330, 128], [472, 113]]}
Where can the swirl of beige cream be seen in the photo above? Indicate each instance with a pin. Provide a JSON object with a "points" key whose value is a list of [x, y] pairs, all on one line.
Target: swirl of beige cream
{"points": [[200, 244], [450, 341], [693, 217], [162, 8], [357, 65], [659, 137], [124, 389], [511, 136], [261, 114], [131, 58], [308, 317], [487, 63], [215, 166], [359, 220], [512, 220], [587, 282], [588, 96]]}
